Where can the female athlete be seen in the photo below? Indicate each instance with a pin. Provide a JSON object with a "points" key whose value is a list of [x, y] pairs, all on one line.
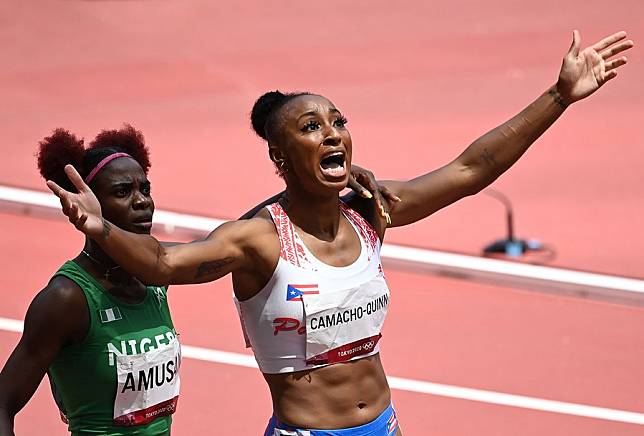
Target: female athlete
{"points": [[306, 270]]}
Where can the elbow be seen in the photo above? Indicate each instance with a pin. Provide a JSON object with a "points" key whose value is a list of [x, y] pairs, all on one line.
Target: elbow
{"points": [[474, 180], [162, 272]]}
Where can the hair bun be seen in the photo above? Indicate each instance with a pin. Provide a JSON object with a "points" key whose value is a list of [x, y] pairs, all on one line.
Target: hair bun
{"points": [[56, 151], [126, 139], [263, 108]]}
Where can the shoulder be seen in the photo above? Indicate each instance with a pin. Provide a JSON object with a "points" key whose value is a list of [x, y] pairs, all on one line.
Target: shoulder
{"points": [[258, 226], [61, 292], [260, 231], [253, 235], [364, 206], [59, 308]]}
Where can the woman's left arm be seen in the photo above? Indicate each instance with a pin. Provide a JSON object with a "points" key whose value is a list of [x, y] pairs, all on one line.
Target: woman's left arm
{"points": [[582, 73]]}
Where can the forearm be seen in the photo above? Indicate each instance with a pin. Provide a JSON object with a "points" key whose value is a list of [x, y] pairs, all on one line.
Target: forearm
{"points": [[493, 153], [6, 422], [141, 255]]}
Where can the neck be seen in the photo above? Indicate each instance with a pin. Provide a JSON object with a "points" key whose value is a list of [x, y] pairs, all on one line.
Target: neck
{"points": [[316, 215], [98, 254], [102, 263]]}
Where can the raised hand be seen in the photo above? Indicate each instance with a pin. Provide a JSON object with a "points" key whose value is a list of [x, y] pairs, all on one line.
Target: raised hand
{"points": [[82, 209], [365, 184], [583, 72]]}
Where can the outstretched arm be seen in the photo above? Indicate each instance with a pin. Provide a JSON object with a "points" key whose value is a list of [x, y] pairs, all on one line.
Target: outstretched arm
{"points": [[228, 248], [582, 73]]}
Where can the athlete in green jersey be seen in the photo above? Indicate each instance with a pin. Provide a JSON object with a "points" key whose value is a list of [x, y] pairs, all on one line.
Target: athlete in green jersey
{"points": [[105, 339]]}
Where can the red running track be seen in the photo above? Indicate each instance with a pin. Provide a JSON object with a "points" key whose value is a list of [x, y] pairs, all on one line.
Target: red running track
{"points": [[439, 330], [418, 82]]}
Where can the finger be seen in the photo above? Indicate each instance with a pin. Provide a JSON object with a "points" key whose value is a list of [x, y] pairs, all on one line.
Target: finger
{"points": [[610, 65], [76, 179], [73, 213], [609, 40], [610, 75], [386, 192], [575, 45], [53, 187], [65, 203], [382, 206], [358, 188], [81, 221], [618, 48]]}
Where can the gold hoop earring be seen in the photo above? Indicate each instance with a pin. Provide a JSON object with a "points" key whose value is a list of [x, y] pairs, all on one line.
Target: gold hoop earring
{"points": [[281, 166]]}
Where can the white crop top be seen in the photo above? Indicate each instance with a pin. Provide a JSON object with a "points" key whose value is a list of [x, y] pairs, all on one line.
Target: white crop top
{"points": [[311, 314]]}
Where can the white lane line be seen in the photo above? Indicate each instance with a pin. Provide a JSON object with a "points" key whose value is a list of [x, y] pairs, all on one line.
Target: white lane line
{"points": [[418, 386], [418, 259]]}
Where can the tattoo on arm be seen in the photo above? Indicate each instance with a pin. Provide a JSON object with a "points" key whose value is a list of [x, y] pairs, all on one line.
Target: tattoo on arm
{"points": [[557, 98], [213, 266], [107, 228], [488, 157]]}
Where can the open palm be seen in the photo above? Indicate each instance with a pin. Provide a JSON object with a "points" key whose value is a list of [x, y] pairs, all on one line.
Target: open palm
{"points": [[82, 209], [583, 72]]}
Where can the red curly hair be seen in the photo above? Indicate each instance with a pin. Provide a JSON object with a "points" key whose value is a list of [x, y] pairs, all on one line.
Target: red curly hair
{"points": [[63, 148]]}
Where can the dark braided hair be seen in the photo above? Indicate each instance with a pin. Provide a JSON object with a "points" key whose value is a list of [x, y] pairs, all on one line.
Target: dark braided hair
{"points": [[63, 148], [263, 117]]}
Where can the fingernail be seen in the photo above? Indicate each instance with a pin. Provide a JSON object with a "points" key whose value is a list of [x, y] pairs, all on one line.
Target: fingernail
{"points": [[397, 198], [367, 194]]}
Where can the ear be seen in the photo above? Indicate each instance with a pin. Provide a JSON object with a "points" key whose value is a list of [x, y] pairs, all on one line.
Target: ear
{"points": [[276, 154]]}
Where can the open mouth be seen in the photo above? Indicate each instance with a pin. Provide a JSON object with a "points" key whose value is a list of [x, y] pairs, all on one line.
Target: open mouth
{"points": [[332, 165]]}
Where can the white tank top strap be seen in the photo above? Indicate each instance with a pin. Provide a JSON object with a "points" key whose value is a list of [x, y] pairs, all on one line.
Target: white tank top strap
{"points": [[365, 230], [291, 247]]}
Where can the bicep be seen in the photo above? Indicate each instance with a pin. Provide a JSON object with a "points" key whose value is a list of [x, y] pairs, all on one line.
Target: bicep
{"points": [[46, 330], [426, 194], [223, 251]]}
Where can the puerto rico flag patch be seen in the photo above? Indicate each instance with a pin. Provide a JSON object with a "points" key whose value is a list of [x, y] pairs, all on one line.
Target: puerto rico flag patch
{"points": [[295, 292]]}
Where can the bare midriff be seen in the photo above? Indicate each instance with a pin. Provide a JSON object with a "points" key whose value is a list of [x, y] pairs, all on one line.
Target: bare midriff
{"points": [[337, 396]]}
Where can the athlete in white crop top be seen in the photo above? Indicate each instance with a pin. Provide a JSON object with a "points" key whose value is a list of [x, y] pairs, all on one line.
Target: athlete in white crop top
{"points": [[306, 270]]}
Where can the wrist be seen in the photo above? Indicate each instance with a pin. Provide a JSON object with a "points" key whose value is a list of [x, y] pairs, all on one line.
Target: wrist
{"points": [[101, 234], [558, 98]]}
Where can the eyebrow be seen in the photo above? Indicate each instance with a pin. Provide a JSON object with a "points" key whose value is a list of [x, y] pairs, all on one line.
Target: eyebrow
{"points": [[129, 182], [315, 112]]}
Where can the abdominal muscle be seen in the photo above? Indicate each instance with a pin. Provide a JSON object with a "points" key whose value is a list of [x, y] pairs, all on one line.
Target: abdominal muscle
{"points": [[337, 396]]}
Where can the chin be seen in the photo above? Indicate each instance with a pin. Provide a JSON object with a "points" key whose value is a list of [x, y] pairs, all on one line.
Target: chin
{"points": [[336, 186]]}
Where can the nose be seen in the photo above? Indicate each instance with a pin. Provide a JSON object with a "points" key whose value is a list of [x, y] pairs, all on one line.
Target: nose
{"points": [[332, 136], [141, 201]]}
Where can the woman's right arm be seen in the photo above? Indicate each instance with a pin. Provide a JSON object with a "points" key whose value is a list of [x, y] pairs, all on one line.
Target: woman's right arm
{"points": [[235, 245], [57, 316]]}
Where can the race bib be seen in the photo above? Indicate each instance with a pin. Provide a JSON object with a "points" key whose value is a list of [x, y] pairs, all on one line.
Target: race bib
{"points": [[148, 385], [345, 324]]}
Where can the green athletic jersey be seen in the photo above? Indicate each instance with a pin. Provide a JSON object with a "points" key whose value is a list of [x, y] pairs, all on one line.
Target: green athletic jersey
{"points": [[91, 380]]}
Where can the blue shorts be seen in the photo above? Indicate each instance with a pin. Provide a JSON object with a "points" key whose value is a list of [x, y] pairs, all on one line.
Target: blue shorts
{"points": [[384, 425]]}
